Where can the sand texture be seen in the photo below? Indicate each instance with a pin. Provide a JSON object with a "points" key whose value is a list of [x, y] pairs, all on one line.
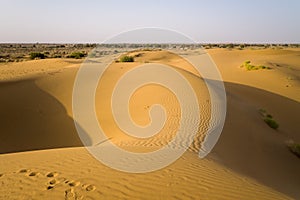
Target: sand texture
{"points": [[42, 155]]}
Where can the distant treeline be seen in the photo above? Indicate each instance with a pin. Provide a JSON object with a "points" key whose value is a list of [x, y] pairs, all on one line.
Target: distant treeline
{"points": [[134, 45], [16, 52]]}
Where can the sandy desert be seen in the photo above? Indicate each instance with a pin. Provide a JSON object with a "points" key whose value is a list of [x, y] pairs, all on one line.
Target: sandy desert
{"points": [[42, 156]]}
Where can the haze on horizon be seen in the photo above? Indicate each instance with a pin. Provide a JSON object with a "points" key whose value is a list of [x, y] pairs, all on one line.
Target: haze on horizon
{"points": [[91, 21]]}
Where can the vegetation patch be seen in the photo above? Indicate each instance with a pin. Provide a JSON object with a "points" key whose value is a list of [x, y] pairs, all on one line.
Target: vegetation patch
{"points": [[247, 65], [35, 55], [76, 55], [268, 119], [126, 59]]}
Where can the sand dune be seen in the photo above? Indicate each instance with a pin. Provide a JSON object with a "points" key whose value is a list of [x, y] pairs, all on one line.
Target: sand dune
{"points": [[77, 175], [250, 161], [261, 152], [283, 79], [30, 116], [146, 96]]}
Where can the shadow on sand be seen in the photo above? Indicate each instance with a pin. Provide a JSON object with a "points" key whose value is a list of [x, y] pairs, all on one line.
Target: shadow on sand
{"points": [[31, 119], [249, 146]]}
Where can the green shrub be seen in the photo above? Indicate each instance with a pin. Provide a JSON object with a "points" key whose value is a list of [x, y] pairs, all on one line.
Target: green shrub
{"points": [[230, 46], [269, 116], [271, 122], [76, 55], [268, 119], [251, 67], [247, 64], [127, 59], [35, 55]]}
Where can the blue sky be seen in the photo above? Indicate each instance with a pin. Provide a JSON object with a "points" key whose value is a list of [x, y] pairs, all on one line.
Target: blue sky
{"points": [[203, 20]]}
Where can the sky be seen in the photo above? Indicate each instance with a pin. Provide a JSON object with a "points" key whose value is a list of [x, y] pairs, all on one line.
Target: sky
{"points": [[95, 21]]}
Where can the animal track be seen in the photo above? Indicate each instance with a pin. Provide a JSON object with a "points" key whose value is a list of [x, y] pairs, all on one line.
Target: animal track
{"points": [[74, 189]]}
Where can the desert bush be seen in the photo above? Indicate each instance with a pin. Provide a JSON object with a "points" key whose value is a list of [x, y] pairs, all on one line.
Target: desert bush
{"points": [[127, 59], [35, 55], [268, 119], [271, 122], [76, 55], [230, 46], [269, 116], [247, 64]]}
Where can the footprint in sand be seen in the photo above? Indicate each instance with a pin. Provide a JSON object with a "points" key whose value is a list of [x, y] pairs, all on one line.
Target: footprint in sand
{"points": [[71, 194], [52, 174], [24, 170], [73, 183], [53, 182], [27, 172], [50, 187], [32, 174], [88, 187]]}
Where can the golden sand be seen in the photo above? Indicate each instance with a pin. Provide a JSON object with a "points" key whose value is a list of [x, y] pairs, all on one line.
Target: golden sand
{"points": [[250, 160]]}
